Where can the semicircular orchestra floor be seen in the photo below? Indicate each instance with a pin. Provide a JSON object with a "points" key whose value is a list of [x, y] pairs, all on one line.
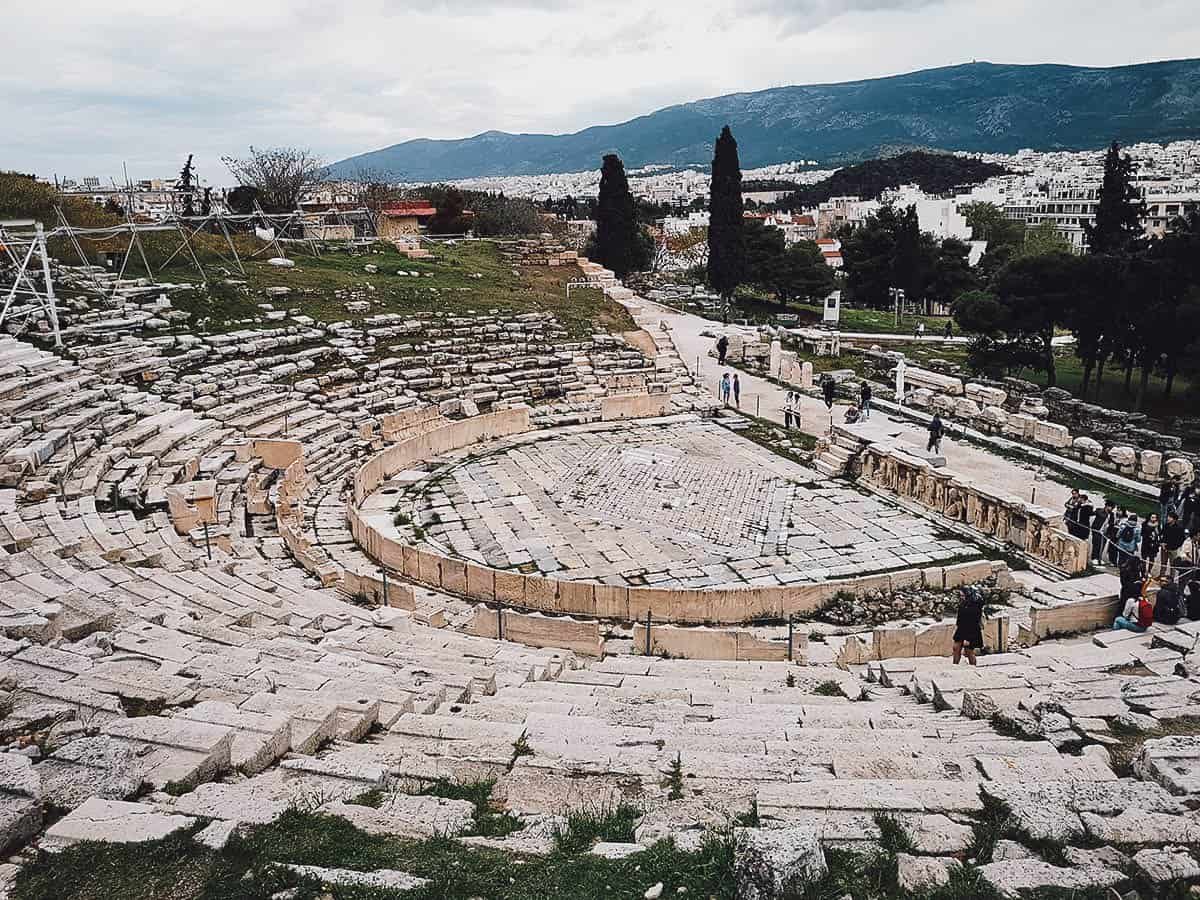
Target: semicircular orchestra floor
{"points": [[686, 504]]}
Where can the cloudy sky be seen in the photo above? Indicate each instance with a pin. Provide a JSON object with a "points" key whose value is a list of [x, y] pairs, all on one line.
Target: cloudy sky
{"points": [[86, 86]]}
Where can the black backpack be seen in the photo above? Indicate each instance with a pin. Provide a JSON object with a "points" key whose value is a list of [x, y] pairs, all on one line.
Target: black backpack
{"points": [[1126, 535], [1166, 606]]}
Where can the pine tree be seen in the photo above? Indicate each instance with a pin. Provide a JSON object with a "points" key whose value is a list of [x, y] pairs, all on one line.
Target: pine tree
{"points": [[618, 244], [1117, 227], [726, 237]]}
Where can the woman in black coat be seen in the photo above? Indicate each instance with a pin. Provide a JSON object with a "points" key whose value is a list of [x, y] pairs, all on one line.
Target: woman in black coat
{"points": [[968, 629]]}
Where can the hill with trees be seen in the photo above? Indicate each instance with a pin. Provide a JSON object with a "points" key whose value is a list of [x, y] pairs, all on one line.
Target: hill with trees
{"points": [[936, 173]]}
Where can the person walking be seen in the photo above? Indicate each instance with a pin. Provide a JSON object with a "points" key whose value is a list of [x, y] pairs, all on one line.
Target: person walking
{"points": [[1151, 542], [864, 400], [968, 626], [725, 386], [921, 331], [1102, 520], [722, 349], [787, 410], [936, 430], [737, 391], [827, 389], [949, 329]]}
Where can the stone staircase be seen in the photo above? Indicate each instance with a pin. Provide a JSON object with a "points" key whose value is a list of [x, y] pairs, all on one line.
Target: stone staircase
{"points": [[836, 453]]}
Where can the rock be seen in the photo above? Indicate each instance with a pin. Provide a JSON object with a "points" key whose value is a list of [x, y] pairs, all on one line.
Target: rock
{"points": [[1005, 850], [1167, 864], [381, 878], [113, 821], [1122, 456], [653, 893], [281, 263], [615, 849], [1101, 856], [921, 872], [1088, 446], [216, 835], [1012, 877], [769, 862], [938, 834], [371, 269], [978, 705], [1135, 827]]}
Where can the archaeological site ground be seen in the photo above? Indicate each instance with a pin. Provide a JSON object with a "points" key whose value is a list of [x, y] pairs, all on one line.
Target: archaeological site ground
{"points": [[363, 575]]}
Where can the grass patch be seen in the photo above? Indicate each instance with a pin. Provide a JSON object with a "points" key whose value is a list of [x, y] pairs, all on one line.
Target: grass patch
{"points": [[828, 689], [520, 748], [489, 822], [674, 780], [773, 437], [584, 827], [1131, 740]]}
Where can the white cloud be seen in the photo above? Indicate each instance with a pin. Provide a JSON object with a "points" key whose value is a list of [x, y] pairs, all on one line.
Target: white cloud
{"points": [[87, 86]]}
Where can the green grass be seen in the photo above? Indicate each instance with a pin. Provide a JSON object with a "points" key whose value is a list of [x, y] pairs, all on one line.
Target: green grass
{"points": [[489, 822], [584, 827], [225, 305], [773, 436], [828, 689], [674, 780]]}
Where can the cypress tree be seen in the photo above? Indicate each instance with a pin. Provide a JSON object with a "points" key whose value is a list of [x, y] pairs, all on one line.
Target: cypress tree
{"points": [[1117, 228], [726, 235], [617, 244]]}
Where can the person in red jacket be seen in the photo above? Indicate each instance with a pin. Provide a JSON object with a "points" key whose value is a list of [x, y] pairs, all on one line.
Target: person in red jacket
{"points": [[1138, 614]]}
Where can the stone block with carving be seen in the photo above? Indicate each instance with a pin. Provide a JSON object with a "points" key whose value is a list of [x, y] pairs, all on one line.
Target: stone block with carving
{"points": [[986, 396], [1021, 425], [1052, 435], [1150, 463], [1123, 456], [1180, 468], [1088, 446], [994, 416], [965, 408], [921, 397]]}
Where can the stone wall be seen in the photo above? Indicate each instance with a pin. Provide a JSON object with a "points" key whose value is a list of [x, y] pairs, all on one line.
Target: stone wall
{"points": [[1036, 530], [717, 643], [536, 630], [910, 639]]}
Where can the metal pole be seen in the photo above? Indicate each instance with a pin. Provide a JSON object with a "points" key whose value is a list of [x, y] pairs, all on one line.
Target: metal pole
{"points": [[500, 621], [207, 544], [647, 632], [789, 637], [758, 406], [385, 590]]}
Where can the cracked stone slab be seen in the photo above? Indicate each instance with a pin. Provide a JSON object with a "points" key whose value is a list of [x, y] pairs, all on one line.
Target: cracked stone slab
{"points": [[113, 821]]}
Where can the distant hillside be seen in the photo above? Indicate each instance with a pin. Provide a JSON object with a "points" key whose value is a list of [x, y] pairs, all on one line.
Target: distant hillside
{"points": [[936, 173], [979, 106]]}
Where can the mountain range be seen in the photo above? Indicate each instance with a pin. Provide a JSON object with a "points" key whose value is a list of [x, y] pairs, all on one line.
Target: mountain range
{"points": [[975, 107]]}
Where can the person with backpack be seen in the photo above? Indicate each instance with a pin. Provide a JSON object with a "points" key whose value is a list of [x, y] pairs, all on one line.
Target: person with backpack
{"points": [[1168, 605], [1151, 541], [722, 349], [1138, 614], [864, 403], [1102, 520], [968, 626], [936, 430], [1129, 539]]}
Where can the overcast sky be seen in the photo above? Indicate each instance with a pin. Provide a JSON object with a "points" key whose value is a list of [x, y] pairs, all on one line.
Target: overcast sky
{"points": [[85, 86]]}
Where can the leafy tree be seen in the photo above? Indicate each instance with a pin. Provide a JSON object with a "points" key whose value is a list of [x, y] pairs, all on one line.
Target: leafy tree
{"points": [[450, 217], [1043, 238], [22, 196], [988, 223], [952, 275], [764, 248], [888, 250], [242, 198], [803, 274], [281, 175], [936, 173], [1037, 293], [618, 243], [113, 208], [980, 312], [726, 235], [500, 216], [1117, 228]]}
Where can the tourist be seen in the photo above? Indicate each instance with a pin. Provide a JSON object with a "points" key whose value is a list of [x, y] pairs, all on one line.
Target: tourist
{"points": [[936, 430], [737, 391], [968, 627], [722, 349], [1110, 536], [1151, 541], [949, 329], [724, 389], [921, 330], [865, 399], [1168, 493], [827, 389], [1129, 539], [1189, 509], [787, 410], [1138, 614], [1131, 577], [1168, 605], [1071, 513], [1192, 595], [1173, 536], [1102, 521]]}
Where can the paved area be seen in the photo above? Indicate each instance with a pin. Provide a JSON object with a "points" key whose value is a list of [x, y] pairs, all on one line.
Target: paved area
{"points": [[686, 504], [763, 398]]}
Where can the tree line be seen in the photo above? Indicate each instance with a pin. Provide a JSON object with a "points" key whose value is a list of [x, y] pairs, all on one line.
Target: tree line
{"points": [[1131, 302]]}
